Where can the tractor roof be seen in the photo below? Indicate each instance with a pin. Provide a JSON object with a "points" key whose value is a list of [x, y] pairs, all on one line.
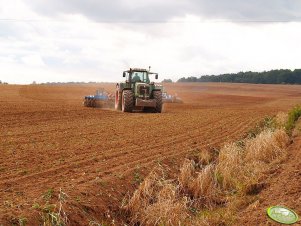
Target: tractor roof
{"points": [[137, 69]]}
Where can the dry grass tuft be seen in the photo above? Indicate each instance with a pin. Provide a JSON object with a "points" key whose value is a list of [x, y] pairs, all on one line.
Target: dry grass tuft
{"points": [[187, 172], [281, 119], [206, 156], [201, 221], [157, 202], [205, 188], [143, 196], [218, 216], [229, 169], [166, 212], [253, 171], [267, 146]]}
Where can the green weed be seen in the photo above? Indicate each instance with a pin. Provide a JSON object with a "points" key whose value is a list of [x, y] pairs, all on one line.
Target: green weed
{"points": [[48, 194], [22, 221], [293, 117]]}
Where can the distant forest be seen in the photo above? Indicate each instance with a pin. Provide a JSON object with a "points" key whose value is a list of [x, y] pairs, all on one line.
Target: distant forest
{"points": [[266, 77]]}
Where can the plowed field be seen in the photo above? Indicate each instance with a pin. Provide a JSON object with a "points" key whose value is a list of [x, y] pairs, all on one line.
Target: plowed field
{"points": [[49, 141]]}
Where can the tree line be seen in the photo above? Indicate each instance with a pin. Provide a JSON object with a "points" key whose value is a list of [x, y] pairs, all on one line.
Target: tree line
{"points": [[283, 76]]}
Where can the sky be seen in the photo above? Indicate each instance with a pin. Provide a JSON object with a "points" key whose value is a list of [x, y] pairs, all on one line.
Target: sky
{"points": [[95, 40]]}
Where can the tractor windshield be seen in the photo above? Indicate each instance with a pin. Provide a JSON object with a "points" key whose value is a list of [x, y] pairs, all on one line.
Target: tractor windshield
{"points": [[140, 76]]}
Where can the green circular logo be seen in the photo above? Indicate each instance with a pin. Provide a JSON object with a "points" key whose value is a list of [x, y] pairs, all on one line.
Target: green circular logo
{"points": [[282, 215]]}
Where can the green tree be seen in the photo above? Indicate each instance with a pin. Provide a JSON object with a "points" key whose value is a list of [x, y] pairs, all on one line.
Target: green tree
{"points": [[167, 81]]}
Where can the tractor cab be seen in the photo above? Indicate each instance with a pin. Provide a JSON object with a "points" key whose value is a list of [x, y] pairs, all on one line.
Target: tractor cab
{"points": [[138, 75]]}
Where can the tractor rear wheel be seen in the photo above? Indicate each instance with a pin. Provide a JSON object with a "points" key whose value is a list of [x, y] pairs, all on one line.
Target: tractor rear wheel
{"points": [[158, 97], [127, 101], [117, 101]]}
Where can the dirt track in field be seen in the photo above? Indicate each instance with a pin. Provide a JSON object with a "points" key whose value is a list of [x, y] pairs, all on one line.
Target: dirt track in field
{"points": [[48, 140]]}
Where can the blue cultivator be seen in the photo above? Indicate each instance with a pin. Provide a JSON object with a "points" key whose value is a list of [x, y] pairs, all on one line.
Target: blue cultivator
{"points": [[99, 100]]}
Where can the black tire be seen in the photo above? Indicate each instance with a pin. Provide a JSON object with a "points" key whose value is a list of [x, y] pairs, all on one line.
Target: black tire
{"points": [[117, 101], [127, 101], [91, 103], [158, 97]]}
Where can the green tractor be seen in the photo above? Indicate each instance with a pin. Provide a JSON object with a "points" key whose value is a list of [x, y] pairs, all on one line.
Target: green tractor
{"points": [[138, 92]]}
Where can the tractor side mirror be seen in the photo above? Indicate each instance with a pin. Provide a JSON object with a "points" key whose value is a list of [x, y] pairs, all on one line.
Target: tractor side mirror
{"points": [[157, 76], [124, 74]]}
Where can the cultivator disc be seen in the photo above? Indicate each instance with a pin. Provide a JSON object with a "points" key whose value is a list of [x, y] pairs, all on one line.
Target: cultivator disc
{"points": [[101, 99]]}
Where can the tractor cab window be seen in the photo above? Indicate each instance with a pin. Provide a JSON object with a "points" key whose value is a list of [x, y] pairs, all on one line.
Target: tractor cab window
{"points": [[138, 76]]}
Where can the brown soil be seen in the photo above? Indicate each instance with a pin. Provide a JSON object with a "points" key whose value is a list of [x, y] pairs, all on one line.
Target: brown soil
{"points": [[48, 140]]}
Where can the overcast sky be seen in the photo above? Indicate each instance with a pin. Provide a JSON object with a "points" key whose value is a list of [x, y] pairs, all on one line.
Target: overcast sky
{"points": [[95, 40]]}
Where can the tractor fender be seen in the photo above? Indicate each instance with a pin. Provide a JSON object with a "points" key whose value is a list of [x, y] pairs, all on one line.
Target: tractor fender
{"points": [[117, 86], [120, 87]]}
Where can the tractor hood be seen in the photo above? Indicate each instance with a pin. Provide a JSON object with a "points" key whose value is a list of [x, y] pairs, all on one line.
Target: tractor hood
{"points": [[142, 90]]}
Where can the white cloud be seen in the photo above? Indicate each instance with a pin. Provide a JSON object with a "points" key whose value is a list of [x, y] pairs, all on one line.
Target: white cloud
{"points": [[155, 10], [34, 60], [72, 47]]}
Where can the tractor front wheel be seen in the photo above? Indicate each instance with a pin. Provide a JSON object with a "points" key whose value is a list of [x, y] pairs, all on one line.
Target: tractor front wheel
{"points": [[127, 101]]}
